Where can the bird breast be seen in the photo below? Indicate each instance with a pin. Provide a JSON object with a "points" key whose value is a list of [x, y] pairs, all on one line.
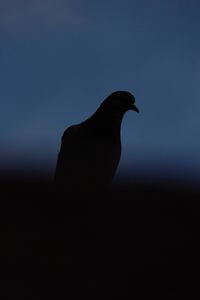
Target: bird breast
{"points": [[97, 162]]}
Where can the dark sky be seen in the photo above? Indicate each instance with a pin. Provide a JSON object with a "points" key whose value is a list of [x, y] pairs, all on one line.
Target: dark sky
{"points": [[59, 59]]}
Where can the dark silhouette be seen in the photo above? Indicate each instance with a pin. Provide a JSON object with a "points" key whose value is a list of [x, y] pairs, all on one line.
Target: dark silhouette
{"points": [[147, 239], [90, 151]]}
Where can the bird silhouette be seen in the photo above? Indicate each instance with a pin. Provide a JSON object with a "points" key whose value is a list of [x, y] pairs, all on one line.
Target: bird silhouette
{"points": [[90, 151]]}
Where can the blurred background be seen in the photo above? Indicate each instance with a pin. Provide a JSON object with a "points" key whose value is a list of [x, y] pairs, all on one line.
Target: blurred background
{"points": [[59, 60]]}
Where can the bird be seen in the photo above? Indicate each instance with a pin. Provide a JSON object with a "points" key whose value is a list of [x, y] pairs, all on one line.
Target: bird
{"points": [[90, 151]]}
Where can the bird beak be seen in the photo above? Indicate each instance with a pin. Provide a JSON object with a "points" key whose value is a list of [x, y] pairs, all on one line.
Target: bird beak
{"points": [[134, 107]]}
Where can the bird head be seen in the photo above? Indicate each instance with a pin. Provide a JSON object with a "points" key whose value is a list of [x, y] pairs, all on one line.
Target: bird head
{"points": [[119, 102]]}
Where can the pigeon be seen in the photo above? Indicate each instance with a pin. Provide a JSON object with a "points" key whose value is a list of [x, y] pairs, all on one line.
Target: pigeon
{"points": [[90, 151]]}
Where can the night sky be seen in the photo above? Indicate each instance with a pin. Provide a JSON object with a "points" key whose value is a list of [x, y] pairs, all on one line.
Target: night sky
{"points": [[59, 59]]}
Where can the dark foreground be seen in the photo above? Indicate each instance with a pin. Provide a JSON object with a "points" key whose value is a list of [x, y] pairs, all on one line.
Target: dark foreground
{"points": [[138, 242]]}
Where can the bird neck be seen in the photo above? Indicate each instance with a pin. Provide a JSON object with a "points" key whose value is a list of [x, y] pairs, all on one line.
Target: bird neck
{"points": [[109, 123]]}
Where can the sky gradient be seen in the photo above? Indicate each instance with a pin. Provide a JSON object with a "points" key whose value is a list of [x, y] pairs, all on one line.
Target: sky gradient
{"points": [[59, 59]]}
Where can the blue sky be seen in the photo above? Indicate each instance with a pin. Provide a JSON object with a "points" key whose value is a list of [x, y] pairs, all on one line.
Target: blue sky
{"points": [[59, 59]]}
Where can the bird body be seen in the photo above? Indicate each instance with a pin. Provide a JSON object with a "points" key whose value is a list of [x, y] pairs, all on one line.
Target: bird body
{"points": [[90, 151]]}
